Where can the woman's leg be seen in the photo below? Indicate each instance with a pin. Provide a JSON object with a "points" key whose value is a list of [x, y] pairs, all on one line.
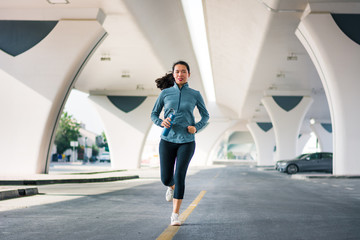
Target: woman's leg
{"points": [[176, 205], [167, 152], [184, 155]]}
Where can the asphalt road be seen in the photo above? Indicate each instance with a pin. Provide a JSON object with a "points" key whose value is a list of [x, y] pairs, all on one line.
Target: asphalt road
{"points": [[240, 203]]}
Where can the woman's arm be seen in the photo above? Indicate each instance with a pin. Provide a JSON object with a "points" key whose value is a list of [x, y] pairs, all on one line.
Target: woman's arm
{"points": [[203, 113]]}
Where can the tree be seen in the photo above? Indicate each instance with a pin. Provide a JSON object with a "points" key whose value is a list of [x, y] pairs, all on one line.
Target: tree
{"points": [[101, 141], [95, 150], [230, 155], [67, 131]]}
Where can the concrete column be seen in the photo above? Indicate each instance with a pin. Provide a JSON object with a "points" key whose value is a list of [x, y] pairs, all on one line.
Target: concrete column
{"points": [[242, 144], [126, 124], [206, 142], [36, 76], [302, 141], [208, 138], [333, 44], [323, 132], [263, 134], [286, 114]]}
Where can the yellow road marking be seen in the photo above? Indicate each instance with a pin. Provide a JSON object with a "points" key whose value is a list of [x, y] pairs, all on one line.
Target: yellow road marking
{"points": [[170, 232]]}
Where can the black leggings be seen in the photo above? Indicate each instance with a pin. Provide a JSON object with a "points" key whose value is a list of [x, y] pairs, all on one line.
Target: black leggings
{"points": [[181, 154]]}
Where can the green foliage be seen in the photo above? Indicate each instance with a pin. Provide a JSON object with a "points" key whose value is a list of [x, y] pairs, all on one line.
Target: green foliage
{"points": [[95, 150], [104, 137], [230, 155], [67, 131], [101, 141]]}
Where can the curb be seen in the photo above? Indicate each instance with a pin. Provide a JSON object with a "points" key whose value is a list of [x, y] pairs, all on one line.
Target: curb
{"points": [[15, 193], [325, 176], [57, 181]]}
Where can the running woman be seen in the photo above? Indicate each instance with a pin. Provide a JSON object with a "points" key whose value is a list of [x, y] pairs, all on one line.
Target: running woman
{"points": [[177, 148]]}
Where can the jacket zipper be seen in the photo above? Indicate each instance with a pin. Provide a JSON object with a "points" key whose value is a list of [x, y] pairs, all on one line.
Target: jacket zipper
{"points": [[179, 101]]}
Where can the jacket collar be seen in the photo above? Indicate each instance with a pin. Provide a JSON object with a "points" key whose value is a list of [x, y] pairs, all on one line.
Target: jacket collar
{"points": [[186, 85]]}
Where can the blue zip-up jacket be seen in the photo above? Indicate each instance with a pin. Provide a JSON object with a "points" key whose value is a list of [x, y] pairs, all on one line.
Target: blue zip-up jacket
{"points": [[183, 101]]}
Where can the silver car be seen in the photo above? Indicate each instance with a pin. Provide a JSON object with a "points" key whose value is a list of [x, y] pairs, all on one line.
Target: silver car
{"points": [[320, 161]]}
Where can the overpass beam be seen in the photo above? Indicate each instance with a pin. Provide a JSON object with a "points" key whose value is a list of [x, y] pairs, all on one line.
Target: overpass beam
{"points": [[329, 33], [39, 64], [287, 114], [263, 134], [209, 139], [302, 141], [324, 135], [127, 122]]}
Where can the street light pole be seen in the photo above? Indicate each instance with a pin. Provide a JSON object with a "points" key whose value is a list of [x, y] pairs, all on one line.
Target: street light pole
{"points": [[74, 144], [73, 153], [85, 152]]}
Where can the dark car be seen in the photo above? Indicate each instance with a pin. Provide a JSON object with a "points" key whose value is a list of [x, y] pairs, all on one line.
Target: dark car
{"points": [[320, 161]]}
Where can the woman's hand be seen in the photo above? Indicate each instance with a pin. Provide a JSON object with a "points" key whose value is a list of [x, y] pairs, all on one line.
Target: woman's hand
{"points": [[191, 129], [166, 123]]}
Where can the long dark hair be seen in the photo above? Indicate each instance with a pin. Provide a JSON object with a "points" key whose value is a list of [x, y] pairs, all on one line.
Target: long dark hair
{"points": [[165, 82], [168, 79]]}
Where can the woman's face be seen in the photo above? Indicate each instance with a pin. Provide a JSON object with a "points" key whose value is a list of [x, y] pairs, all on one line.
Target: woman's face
{"points": [[181, 74]]}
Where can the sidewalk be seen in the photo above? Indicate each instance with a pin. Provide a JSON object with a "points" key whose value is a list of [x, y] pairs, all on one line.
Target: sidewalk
{"points": [[313, 175], [25, 185]]}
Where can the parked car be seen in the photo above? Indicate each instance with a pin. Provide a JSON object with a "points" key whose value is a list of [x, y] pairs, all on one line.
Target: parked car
{"points": [[104, 157], [320, 161], [298, 157]]}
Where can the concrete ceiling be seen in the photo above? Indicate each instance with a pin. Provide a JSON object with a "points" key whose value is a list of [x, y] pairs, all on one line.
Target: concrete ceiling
{"points": [[249, 42]]}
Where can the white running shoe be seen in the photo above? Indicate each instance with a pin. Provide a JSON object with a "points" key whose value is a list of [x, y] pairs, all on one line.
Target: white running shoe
{"points": [[175, 219], [169, 194]]}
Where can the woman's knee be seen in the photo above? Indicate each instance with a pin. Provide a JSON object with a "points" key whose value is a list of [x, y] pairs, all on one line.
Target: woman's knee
{"points": [[167, 181]]}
